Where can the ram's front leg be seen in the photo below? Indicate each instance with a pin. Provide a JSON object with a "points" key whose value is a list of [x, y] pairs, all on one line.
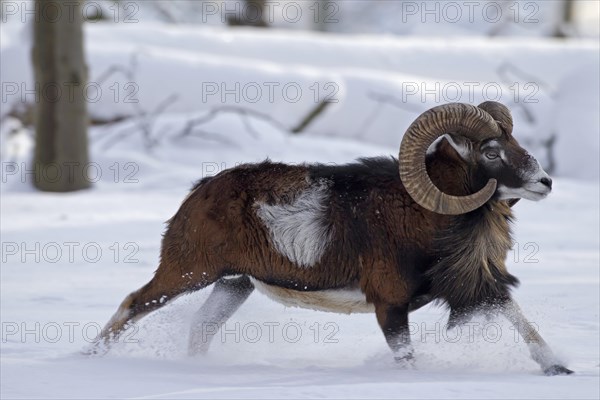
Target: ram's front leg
{"points": [[393, 321], [539, 349]]}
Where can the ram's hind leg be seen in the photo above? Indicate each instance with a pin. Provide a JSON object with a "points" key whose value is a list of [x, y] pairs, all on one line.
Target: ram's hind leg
{"points": [[165, 286], [227, 296]]}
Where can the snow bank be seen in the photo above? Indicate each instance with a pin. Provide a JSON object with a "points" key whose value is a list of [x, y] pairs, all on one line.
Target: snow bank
{"points": [[379, 84]]}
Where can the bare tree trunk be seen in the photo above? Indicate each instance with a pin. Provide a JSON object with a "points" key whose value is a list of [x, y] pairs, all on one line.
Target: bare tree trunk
{"points": [[61, 148], [320, 16], [564, 26], [252, 13]]}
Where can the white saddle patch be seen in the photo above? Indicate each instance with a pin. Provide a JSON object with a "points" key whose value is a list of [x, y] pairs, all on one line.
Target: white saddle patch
{"points": [[341, 301], [297, 230]]}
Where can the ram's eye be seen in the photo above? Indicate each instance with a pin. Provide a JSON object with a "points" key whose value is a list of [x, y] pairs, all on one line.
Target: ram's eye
{"points": [[492, 155]]}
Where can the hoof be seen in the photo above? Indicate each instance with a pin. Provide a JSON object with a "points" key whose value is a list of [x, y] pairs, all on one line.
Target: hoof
{"points": [[96, 349], [557, 370], [406, 361]]}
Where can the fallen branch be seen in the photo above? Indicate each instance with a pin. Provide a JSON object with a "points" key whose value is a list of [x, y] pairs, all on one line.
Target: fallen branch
{"points": [[318, 110]]}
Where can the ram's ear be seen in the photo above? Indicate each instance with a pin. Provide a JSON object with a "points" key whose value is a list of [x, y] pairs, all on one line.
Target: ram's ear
{"points": [[461, 144]]}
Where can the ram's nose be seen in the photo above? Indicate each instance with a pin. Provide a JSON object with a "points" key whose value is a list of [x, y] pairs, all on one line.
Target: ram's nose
{"points": [[546, 181]]}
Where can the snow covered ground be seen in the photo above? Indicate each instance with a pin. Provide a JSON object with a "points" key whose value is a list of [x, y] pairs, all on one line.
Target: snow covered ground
{"points": [[69, 259]]}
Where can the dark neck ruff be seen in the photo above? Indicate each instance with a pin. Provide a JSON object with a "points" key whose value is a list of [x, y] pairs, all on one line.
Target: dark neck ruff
{"points": [[469, 271]]}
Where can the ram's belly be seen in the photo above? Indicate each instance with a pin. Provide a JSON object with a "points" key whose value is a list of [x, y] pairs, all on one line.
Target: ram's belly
{"points": [[346, 301]]}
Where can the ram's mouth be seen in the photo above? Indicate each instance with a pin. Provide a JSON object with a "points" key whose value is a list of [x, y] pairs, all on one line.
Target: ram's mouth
{"points": [[533, 192], [537, 188], [535, 195]]}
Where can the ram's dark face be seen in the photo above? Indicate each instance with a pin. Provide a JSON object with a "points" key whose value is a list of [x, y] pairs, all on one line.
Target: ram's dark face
{"points": [[482, 136], [518, 173]]}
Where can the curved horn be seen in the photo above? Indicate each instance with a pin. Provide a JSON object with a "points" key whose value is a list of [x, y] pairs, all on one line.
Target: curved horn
{"points": [[500, 113], [463, 119]]}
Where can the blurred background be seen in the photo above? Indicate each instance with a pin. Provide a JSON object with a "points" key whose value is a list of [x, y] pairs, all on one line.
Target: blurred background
{"points": [[192, 82], [111, 110]]}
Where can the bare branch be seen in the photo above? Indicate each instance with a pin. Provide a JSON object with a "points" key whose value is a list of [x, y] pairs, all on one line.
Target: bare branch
{"points": [[306, 121], [382, 99]]}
